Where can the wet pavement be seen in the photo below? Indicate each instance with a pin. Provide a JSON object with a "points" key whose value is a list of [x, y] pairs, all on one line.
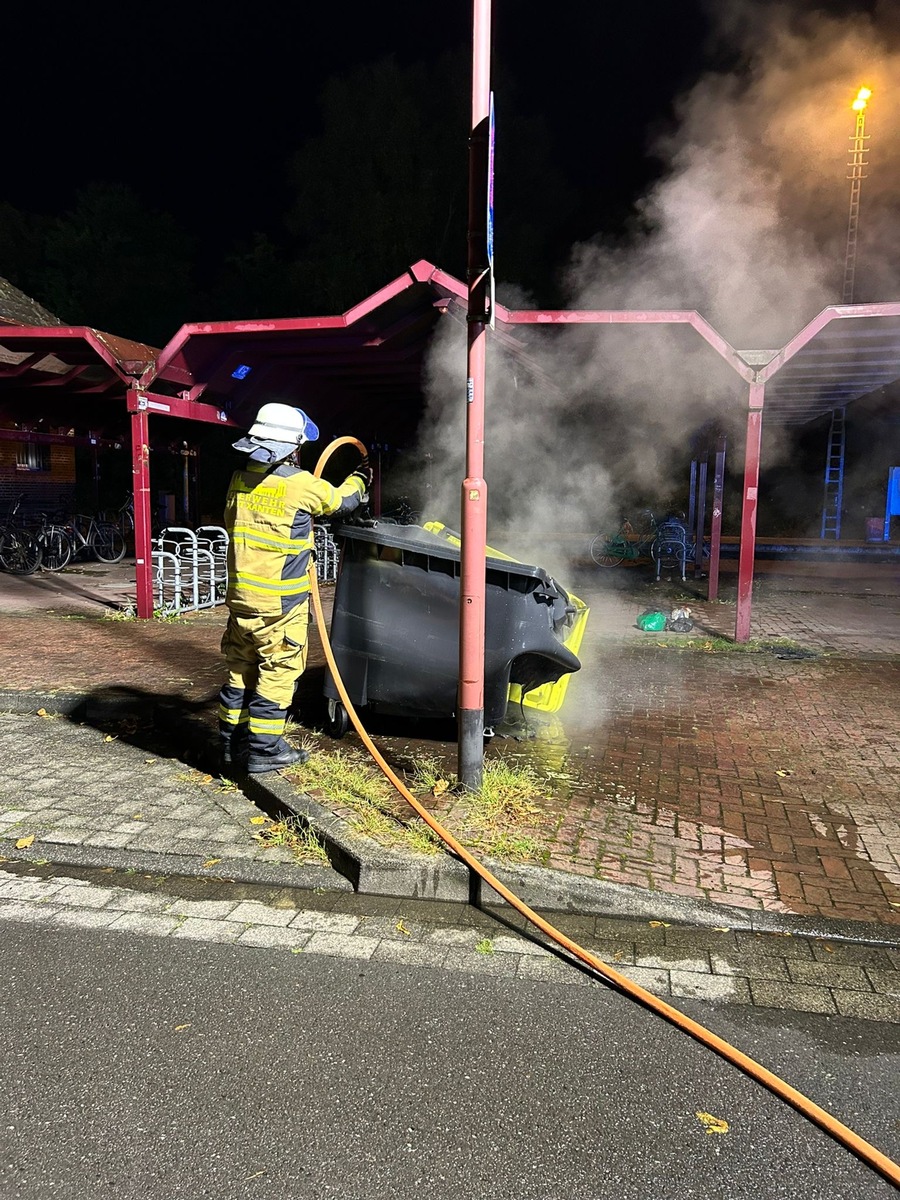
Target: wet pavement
{"points": [[768, 782]]}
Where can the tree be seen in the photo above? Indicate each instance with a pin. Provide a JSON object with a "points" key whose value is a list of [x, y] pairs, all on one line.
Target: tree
{"points": [[114, 264]]}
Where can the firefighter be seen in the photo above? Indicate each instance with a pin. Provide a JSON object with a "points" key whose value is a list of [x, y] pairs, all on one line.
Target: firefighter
{"points": [[268, 515]]}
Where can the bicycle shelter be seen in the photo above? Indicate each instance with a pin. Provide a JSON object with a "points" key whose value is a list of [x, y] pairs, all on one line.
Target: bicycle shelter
{"points": [[363, 368]]}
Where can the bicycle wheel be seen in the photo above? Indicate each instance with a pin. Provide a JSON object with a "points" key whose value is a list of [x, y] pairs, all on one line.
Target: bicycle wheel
{"points": [[20, 553], [607, 551], [107, 543], [56, 549]]}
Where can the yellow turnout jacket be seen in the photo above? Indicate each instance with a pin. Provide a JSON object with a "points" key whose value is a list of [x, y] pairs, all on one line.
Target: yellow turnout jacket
{"points": [[268, 515]]}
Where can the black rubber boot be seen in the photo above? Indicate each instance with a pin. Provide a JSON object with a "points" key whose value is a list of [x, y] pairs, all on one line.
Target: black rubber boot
{"points": [[234, 748], [281, 756]]}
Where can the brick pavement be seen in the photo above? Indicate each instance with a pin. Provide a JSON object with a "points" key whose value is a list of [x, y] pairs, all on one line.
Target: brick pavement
{"points": [[756, 781], [721, 966]]}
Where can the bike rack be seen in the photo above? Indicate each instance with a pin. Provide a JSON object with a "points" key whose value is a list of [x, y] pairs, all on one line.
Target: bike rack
{"points": [[190, 568], [327, 554]]}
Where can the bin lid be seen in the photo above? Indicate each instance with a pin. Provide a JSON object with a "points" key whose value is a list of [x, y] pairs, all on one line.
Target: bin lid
{"points": [[415, 539]]}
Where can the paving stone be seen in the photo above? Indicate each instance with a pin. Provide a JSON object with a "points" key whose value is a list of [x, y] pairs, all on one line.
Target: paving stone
{"points": [[720, 989], [323, 922], [666, 962], [202, 930], [650, 979], [14, 910], [758, 944], [413, 954], [63, 837], [769, 993], [468, 938], [854, 954], [765, 966], [832, 975], [339, 945], [84, 896], [215, 910], [251, 912], [867, 1005], [84, 918], [150, 925], [29, 889], [552, 970], [123, 901], [273, 937], [475, 963], [504, 944], [887, 982]]}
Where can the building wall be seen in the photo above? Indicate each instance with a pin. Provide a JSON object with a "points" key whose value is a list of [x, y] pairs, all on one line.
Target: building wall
{"points": [[48, 490]]}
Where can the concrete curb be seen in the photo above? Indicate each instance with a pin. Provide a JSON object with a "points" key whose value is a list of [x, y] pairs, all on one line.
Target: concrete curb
{"points": [[364, 866]]}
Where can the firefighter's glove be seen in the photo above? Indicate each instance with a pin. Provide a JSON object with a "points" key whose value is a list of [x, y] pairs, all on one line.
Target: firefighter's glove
{"points": [[363, 472]]}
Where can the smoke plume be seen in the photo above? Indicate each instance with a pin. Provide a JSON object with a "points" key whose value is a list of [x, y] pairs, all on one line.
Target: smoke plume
{"points": [[747, 225]]}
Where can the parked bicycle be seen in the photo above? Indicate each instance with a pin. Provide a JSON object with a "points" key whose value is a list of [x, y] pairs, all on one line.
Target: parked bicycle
{"points": [[401, 513], [627, 544], [100, 538], [55, 543], [20, 553]]}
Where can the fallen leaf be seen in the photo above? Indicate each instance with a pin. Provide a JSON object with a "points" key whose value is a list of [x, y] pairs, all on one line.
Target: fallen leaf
{"points": [[784, 774], [659, 924], [205, 780], [109, 738], [401, 928], [258, 820], [440, 787], [722, 928], [830, 949], [25, 841], [211, 862], [712, 1124], [148, 762], [137, 816], [178, 1028], [296, 949], [42, 712]]}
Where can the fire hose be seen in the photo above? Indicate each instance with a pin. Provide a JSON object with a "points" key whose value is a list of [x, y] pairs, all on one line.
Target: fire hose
{"points": [[864, 1150]]}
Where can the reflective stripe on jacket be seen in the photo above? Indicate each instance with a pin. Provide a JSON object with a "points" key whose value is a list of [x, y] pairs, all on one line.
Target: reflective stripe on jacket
{"points": [[268, 515]]}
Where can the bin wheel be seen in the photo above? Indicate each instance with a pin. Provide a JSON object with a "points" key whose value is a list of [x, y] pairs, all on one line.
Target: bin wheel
{"points": [[338, 720]]}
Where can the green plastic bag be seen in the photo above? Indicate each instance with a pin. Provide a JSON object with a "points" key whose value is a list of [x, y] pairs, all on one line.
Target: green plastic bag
{"points": [[652, 621]]}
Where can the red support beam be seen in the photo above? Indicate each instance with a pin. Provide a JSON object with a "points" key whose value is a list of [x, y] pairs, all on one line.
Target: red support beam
{"points": [[748, 512], [176, 406], [143, 534]]}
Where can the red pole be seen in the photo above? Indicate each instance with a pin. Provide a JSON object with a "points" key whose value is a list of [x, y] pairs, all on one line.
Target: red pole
{"points": [[748, 512], [715, 536], [473, 508], [143, 535]]}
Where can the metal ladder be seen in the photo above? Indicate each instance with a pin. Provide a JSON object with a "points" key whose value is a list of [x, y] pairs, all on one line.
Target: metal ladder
{"points": [[834, 477]]}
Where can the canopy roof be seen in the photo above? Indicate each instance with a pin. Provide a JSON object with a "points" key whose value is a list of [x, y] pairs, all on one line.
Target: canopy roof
{"points": [[365, 367]]}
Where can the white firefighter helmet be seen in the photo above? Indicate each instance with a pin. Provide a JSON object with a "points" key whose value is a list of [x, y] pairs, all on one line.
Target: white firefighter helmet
{"points": [[282, 423]]}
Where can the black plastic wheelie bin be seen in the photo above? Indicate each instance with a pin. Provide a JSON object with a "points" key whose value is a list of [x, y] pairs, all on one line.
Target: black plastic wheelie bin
{"points": [[395, 626]]}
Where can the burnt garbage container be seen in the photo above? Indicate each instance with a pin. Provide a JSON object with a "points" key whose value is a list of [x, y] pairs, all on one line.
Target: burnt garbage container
{"points": [[395, 626]]}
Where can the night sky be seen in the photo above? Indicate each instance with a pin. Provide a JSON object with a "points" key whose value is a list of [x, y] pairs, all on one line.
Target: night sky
{"points": [[199, 106]]}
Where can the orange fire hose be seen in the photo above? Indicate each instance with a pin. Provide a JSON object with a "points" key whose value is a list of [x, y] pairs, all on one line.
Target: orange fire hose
{"points": [[808, 1108]]}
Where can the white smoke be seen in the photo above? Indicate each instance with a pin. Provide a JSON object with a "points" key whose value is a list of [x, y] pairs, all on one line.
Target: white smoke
{"points": [[747, 225]]}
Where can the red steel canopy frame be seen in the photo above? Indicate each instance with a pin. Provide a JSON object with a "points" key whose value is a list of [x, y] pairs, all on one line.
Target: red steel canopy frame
{"points": [[371, 356]]}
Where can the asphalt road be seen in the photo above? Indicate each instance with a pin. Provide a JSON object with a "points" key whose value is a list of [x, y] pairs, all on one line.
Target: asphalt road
{"points": [[153, 1068]]}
